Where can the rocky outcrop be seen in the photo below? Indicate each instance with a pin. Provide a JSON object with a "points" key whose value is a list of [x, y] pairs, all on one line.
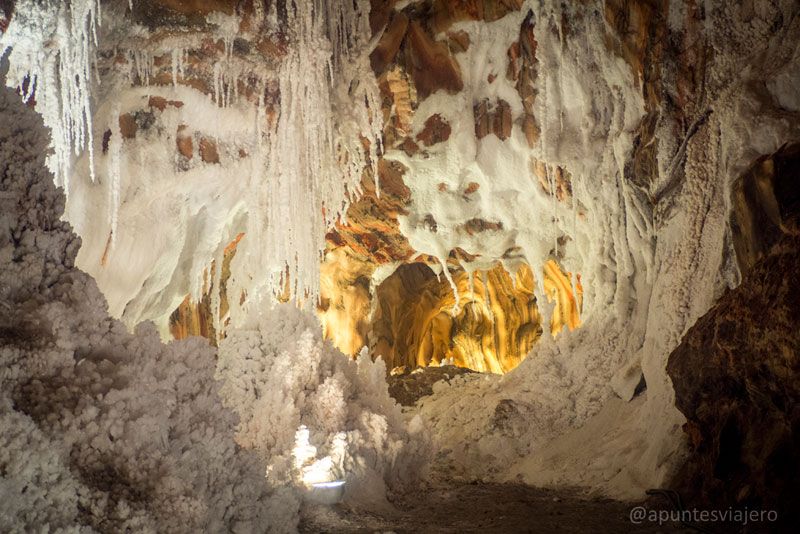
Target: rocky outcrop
{"points": [[736, 376], [6, 8], [764, 201], [492, 118], [416, 322], [432, 65], [408, 387]]}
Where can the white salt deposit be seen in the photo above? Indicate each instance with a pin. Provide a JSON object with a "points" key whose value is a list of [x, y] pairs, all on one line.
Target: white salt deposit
{"points": [[299, 173], [648, 272], [104, 430], [652, 259]]}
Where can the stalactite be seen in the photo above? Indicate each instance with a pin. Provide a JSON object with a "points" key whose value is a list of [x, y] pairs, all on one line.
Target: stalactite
{"points": [[57, 72]]}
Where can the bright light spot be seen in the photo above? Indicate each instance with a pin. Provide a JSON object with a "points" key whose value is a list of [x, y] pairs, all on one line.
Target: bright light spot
{"points": [[317, 472], [303, 451], [327, 485]]}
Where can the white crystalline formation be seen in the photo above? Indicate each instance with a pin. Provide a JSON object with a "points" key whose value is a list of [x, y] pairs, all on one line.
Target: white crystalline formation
{"points": [[306, 164], [104, 430], [52, 56]]}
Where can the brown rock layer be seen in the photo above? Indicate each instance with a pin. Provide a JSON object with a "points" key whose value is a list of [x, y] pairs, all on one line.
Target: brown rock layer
{"points": [[6, 10], [432, 65], [736, 376], [492, 118], [764, 200], [415, 324], [408, 387]]}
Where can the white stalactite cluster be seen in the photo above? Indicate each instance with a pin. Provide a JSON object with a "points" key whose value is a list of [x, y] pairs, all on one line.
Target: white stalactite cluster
{"points": [[305, 167], [313, 157], [52, 60]]}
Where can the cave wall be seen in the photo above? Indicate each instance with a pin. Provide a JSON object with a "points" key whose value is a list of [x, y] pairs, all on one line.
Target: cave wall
{"points": [[736, 370], [406, 57], [606, 137], [765, 201], [736, 380], [496, 326]]}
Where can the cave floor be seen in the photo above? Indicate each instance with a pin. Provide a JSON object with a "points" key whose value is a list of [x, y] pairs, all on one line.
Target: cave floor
{"points": [[506, 508]]}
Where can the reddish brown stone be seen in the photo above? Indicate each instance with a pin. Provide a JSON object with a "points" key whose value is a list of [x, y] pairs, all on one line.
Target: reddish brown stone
{"points": [[157, 102], [531, 130], [503, 123], [271, 47], [458, 41], [448, 12], [512, 73], [409, 146], [436, 130], [482, 119], [432, 66], [128, 126], [476, 226], [386, 50], [379, 14], [208, 150], [7, 8], [471, 188], [184, 143], [493, 119], [522, 67]]}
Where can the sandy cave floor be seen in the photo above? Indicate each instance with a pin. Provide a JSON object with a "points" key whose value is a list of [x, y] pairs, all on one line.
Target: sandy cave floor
{"points": [[506, 508]]}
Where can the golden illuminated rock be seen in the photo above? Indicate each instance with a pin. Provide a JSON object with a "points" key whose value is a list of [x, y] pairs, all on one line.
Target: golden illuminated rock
{"points": [[416, 324], [345, 300], [198, 319], [558, 288]]}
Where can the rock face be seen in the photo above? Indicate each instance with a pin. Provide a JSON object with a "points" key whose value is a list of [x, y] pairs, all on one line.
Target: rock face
{"points": [[408, 388], [737, 380], [6, 8], [764, 199], [416, 322]]}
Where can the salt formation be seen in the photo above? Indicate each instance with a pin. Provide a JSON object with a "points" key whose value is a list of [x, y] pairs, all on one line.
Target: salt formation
{"points": [[111, 431], [280, 374], [315, 158], [652, 258], [653, 255], [52, 53], [102, 430], [305, 148]]}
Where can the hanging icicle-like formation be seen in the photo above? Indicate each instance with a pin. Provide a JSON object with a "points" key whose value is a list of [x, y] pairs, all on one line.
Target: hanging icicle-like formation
{"points": [[114, 173], [313, 155], [51, 61], [317, 131]]}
